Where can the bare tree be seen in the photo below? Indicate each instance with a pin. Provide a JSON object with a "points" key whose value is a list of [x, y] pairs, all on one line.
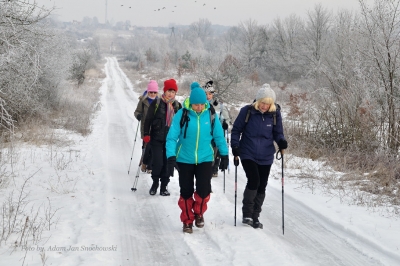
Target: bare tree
{"points": [[315, 39], [381, 28], [285, 48], [201, 29], [248, 42]]}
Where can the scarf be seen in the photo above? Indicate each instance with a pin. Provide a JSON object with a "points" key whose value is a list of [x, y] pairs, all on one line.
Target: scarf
{"points": [[150, 100], [170, 110]]}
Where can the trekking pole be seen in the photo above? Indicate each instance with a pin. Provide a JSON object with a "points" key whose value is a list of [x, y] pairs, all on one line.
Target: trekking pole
{"points": [[236, 158], [134, 143], [138, 170], [136, 179], [283, 214], [224, 181]]}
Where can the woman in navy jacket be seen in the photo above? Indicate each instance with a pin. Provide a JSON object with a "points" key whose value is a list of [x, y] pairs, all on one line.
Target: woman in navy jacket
{"points": [[252, 139]]}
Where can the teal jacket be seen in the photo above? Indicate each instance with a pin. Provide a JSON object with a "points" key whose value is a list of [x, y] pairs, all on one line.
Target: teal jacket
{"points": [[196, 147]]}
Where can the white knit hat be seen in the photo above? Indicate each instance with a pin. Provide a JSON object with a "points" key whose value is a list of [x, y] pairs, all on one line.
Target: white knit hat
{"points": [[265, 92], [209, 86]]}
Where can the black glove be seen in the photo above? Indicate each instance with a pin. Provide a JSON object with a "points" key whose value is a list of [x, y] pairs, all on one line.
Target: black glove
{"points": [[282, 144], [171, 162], [236, 151], [224, 125], [139, 117], [236, 161], [223, 165]]}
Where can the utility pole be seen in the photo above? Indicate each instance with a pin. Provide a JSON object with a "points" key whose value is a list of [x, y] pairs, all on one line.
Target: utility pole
{"points": [[105, 19]]}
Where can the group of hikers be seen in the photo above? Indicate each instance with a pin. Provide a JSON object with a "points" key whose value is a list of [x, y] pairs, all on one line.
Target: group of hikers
{"points": [[191, 137]]}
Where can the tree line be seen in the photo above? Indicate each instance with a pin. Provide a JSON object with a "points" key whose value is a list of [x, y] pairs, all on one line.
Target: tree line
{"points": [[36, 60], [344, 67]]}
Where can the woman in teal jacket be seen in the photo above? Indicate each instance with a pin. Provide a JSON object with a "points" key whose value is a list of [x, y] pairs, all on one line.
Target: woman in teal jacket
{"points": [[189, 149]]}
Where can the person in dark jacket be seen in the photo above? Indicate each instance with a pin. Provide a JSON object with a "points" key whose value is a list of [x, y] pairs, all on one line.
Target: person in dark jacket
{"points": [[156, 127], [189, 147], [253, 142], [224, 118], [140, 113]]}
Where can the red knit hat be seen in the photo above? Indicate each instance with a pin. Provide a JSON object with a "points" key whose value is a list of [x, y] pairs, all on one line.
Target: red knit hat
{"points": [[170, 84]]}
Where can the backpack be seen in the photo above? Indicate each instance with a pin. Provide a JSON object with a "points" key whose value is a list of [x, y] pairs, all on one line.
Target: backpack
{"points": [[249, 114], [185, 119]]}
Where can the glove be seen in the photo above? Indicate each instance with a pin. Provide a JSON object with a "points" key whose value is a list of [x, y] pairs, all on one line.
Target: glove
{"points": [[223, 165], [139, 117], [236, 151], [171, 163], [215, 103], [146, 139], [224, 125], [282, 144], [236, 161]]}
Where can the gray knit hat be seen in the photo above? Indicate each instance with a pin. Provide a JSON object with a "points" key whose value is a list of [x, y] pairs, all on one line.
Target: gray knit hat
{"points": [[265, 92]]}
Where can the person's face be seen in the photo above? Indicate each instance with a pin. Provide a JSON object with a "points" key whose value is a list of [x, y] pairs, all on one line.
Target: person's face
{"points": [[198, 107], [152, 94], [263, 107], [209, 95], [169, 94]]}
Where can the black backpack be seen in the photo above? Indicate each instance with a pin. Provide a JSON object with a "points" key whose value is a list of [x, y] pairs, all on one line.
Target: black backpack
{"points": [[249, 113], [185, 119]]}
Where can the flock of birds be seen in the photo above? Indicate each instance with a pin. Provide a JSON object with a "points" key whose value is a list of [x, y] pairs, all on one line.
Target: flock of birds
{"points": [[164, 8]]}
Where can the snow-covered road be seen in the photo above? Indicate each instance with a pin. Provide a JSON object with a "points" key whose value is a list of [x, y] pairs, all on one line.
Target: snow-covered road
{"points": [[148, 231]]}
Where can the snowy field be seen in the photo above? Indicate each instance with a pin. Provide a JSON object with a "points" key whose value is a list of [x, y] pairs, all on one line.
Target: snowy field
{"points": [[98, 220]]}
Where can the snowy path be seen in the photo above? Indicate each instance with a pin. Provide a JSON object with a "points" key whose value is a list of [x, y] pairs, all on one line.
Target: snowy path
{"points": [[147, 229]]}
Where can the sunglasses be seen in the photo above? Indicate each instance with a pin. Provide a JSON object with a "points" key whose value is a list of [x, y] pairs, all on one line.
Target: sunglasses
{"points": [[152, 92]]}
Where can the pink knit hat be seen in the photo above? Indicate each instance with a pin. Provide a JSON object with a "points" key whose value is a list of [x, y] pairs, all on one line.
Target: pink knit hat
{"points": [[153, 86]]}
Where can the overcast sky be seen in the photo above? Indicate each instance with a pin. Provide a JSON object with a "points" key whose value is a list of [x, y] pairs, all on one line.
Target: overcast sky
{"points": [[184, 12]]}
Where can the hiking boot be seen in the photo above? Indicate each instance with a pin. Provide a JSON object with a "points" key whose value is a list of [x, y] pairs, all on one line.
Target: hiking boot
{"points": [[188, 228], [248, 221], [164, 191], [257, 225], [215, 174], [143, 168], [199, 220], [153, 189]]}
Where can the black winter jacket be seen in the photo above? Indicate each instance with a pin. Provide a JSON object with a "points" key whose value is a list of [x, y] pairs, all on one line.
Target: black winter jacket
{"points": [[155, 123]]}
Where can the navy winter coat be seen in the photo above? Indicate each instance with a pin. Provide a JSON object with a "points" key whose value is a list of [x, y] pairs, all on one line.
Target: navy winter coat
{"points": [[256, 137]]}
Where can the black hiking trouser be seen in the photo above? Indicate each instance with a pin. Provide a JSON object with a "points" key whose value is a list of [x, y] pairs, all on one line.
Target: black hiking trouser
{"points": [[159, 163], [203, 174], [147, 156], [257, 175], [216, 161], [254, 193]]}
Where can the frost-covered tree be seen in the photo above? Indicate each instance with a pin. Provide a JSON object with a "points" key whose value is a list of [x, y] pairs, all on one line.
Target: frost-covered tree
{"points": [[287, 64], [315, 39], [381, 28], [34, 59]]}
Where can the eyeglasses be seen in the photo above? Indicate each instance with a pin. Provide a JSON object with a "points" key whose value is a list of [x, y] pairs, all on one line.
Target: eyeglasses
{"points": [[152, 92]]}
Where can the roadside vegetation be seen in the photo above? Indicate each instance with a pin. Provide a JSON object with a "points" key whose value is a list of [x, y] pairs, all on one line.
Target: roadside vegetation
{"points": [[49, 85]]}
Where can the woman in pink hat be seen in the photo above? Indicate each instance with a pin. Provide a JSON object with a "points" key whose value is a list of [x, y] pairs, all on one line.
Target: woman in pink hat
{"points": [[140, 113]]}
